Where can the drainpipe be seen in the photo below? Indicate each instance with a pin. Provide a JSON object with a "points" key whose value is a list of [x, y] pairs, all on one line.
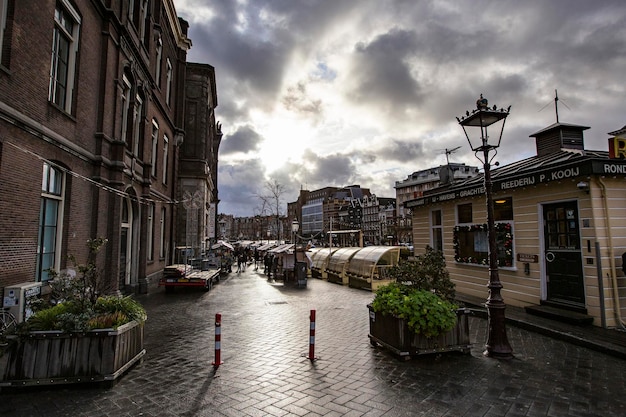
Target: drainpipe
{"points": [[617, 308]]}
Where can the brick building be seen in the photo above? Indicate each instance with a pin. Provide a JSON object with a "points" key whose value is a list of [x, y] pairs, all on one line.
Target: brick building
{"points": [[92, 96]]}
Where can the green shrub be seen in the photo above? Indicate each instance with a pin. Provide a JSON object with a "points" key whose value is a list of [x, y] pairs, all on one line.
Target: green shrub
{"points": [[422, 294], [426, 272], [78, 302], [425, 312]]}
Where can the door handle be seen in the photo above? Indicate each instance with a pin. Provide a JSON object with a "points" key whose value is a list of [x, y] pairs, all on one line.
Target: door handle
{"points": [[550, 256]]}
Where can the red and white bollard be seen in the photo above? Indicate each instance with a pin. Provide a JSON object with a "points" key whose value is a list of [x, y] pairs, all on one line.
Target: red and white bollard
{"points": [[218, 340], [312, 337]]}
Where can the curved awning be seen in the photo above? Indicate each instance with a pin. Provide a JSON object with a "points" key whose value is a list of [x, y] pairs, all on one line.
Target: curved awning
{"points": [[364, 262], [320, 257], [340, 258]]}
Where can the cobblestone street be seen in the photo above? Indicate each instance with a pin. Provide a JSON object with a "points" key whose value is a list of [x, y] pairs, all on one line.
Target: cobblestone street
{"points": [[265, 371]]}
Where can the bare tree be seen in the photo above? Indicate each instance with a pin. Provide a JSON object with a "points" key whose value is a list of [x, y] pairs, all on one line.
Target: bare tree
{"points": [[272, 199]]}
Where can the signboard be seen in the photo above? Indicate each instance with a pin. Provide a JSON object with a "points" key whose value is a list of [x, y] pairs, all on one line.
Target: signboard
{"points": [[589, 167], [526, 257], [617, 148]]}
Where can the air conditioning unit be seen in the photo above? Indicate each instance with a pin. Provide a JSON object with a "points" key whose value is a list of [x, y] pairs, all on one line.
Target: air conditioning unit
{"points": [[17, 299]]}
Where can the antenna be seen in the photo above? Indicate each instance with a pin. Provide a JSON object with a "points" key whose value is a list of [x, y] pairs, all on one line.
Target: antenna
{"points": [[450, 151], [556, 105]]}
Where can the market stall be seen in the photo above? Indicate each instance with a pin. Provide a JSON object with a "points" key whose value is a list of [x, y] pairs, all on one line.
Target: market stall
{"points": [[367, 268], [319, 261], [338, 263]]}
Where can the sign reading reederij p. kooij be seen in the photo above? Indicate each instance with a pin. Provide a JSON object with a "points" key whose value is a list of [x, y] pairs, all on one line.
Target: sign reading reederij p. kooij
{"points": [[586, 168]]}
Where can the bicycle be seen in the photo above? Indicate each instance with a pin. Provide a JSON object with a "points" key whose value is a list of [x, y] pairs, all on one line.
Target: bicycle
{"points": [[8, 322]]}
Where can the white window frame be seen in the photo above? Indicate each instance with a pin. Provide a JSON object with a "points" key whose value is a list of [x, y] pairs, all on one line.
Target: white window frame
{"points": [[155, 147], [143, 16], [166, 151], [150, 234], [137, 118], [59, 30], [436, 228], [3, 24], [159, 60], [168, 85], [50, 173], [126, 90], [162, 234]]}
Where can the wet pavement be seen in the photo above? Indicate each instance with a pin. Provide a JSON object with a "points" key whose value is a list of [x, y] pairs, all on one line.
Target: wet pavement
{"points": [[266, 372]]}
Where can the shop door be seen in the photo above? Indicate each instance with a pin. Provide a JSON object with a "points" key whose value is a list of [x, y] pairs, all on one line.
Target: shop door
{"points": [[564, 271]]}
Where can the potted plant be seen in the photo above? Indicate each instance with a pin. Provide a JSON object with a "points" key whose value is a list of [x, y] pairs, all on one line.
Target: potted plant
{"points": [[416, 314], [80, 334]]}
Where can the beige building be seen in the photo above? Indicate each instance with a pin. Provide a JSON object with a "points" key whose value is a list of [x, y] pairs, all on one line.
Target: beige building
{"points": [[560, 221]]}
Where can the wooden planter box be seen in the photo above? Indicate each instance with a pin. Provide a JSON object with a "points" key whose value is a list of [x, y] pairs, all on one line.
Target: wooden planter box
{"points": [[393, 334], [55, 357]]}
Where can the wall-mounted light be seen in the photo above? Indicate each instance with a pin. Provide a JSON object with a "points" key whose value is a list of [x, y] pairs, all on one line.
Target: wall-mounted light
{"points": [[583, 186]]}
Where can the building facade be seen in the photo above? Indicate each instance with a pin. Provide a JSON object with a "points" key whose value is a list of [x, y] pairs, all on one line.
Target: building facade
{"points": [[559, 222], [92, 97]]}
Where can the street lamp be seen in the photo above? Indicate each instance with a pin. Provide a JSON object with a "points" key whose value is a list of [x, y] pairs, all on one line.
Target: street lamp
{"points": [[497, 345], [294, 228]]}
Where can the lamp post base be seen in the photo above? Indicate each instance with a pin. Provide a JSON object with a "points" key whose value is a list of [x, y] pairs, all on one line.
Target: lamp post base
{"points": [[497, 345]]}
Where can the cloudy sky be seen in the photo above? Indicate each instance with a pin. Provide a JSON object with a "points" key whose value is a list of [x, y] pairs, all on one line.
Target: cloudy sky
{"points": [[316, 93]]}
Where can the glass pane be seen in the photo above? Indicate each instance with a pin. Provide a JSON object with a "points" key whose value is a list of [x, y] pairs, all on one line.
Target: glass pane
{"points": [[51, 211], [49, 240], [464, 212], [503, 209]]}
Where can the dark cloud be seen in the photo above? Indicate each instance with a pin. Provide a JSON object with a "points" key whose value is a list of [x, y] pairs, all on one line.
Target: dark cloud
{"points": [[243, 140], [381, 74]]}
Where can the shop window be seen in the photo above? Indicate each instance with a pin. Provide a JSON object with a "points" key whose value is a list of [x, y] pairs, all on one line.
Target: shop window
{"points": [[471, 244], [436, 227]]}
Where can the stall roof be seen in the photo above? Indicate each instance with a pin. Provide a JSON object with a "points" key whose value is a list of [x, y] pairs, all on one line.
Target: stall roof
{"points": [[364, 261], [319, 256], [267, 246], [340, 257], [282, 248], [221, 243]]}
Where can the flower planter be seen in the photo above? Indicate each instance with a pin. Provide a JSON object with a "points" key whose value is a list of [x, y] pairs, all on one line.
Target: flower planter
{"points": [[394, 334], [55, 357]]}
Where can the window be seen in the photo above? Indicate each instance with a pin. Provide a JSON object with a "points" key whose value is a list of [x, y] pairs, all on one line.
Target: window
{"points": [[143, 17], [168, 82], [150, 235], [162, 235], [137, 125], [471, 241], [64, 51], [50, 221], [159, 61], [165, 154], [155, 147], [503, 209], [126, 88], [464, 213], [436, 227], [4, 35]]}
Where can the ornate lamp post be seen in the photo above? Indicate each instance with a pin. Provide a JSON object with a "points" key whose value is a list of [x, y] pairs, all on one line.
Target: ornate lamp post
{"points": [[497, 345]]}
